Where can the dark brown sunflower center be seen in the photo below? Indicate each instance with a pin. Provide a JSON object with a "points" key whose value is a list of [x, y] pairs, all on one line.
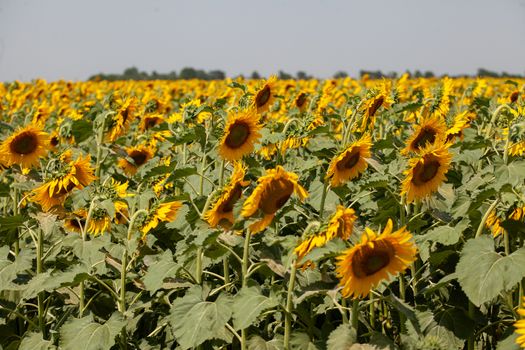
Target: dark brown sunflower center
{"points": [[138, 157], [369, 260], [301, 99], [263, 96], [151, 122], [375, 105], [275, 195], [238, 134], [427, 135], [54, 141], [234, 196], [77, 222], [64, 190], [514, 96], [424, 172], [341, 229], [24, 143], [349, 160], [125, 115]]}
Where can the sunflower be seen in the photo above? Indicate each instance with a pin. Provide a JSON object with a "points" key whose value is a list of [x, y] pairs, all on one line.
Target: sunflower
{"points": [[99, 222], [78, 174], [221, 212], [428, 131], [164, 212], [300, 101], [121, 212], [126, 113], [25, 146], [371, 105], [139, 155], [270, 195], [376, 258], [341, 225], [494, 221], [520, 326], [240, 134], [461, 122], [517, 149], [426, 172], [76, 221], [150, 120], [351, 162], [265, 96]]}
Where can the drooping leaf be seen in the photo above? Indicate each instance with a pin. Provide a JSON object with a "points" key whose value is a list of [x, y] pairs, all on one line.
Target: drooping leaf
{"points": [[165, 267], [248, 305]]}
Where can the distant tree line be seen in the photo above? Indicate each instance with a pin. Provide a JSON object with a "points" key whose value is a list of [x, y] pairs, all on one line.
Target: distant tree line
{"points": [[191, 73]]}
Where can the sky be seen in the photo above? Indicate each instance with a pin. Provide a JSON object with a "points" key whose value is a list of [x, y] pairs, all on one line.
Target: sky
{"points": [[72, 39]]}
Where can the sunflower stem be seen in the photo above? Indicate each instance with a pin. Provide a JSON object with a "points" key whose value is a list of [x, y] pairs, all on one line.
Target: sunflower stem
{"points": [[123, 272], [100, 140], [132, 222], [344, 310], [485, 217], [402, 295], [372, 312], [226, 270], [355, 317], [245, 262], [506, 150], [323, 198], [198, 266], [39, 270], [289, 307], [221, 173], [472, 338]]}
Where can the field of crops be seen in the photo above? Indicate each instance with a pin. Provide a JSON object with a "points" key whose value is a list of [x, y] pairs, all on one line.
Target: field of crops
{"points": [[263, 214]]}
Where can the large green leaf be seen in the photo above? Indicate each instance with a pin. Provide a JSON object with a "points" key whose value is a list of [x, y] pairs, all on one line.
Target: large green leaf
{"points": [[195, 320], [341, 338], [248, 305], [10, 269], [86, 334], [49, 281], [165, 267], [257, 343], [513, 174], [483, 273], [35, 341]]}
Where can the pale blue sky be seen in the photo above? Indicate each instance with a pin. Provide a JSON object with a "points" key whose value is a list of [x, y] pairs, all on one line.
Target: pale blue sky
{"points": [[74, 39]]}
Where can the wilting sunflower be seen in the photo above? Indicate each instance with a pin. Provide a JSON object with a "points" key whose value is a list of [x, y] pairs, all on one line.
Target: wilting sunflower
{"points": [[341, 225], [164, 212], [426, 172], [221, 212], [121, 212], [494, 221], [99, 222], [240, 134], [270, 195], [520, 326], [374, 259], [371, 105], [351, 162], [126, 113], [25, 146], [139, 154], [429, 131], [265, 96], [76, 221], [78, 174]]}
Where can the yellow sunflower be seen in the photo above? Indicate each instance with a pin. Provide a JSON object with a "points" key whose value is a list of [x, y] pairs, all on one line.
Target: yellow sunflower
{"points": [[99, 223], [164, 212], [25, 146], [426, 172], [517, 149], [76, 221], [240, 134], [370, 106], [461, 122], [520, 326], [300, 101], [121, 212], [221, 212], [376, 258], [351, 162], [139, 154], [429, 131], [494, 221], [126, 113], [270, 195], [150, 120], [341, 225], [265, 96]]}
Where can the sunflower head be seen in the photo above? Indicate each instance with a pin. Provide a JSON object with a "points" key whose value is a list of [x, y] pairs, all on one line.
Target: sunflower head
{"points": [[76, 221], [265, 96], [240, 135], [221, 212], [164, 212], [520, 325], [426, 172], [271, 194], [25, 146], [351, 162], [301, 101], [430, 131], [376, 258], [139, 156]]}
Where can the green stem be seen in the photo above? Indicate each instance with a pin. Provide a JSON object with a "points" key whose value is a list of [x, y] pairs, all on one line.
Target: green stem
{"points": [[15, 212], [123, 273], [323, 198], [506, 150], [221, 173], [245, 262], [472, 338], [100, 140], [198, 265], [39, 270], [226, 270], [402, 294], [355, 316], [132, 221], [485, 217], [372, 312], [289, 307]]}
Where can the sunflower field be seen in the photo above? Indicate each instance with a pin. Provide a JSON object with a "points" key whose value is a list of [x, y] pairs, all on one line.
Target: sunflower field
{"points": [[263, 214]]}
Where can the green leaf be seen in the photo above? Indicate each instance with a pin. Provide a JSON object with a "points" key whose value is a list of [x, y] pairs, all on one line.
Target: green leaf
{"points": [[446, 235], [195, 320], [85, 334], [81, 130], [509, 343], [483, 273], [257, 343], [49, 281], [165, 267], [513, 174], [248, 305], [9, 269], [341, 338], [301, 341], [9, 223], [35, 341]]}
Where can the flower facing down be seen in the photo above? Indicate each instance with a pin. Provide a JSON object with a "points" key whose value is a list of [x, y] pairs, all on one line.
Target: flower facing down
{"points": [[139, 155], [376, 258], [351, 162], [426, 172], [164, 212], [25, 147], [270, 195], [341, 225], [265, 96], [221, 213], [520, 326], [240, 135]]}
